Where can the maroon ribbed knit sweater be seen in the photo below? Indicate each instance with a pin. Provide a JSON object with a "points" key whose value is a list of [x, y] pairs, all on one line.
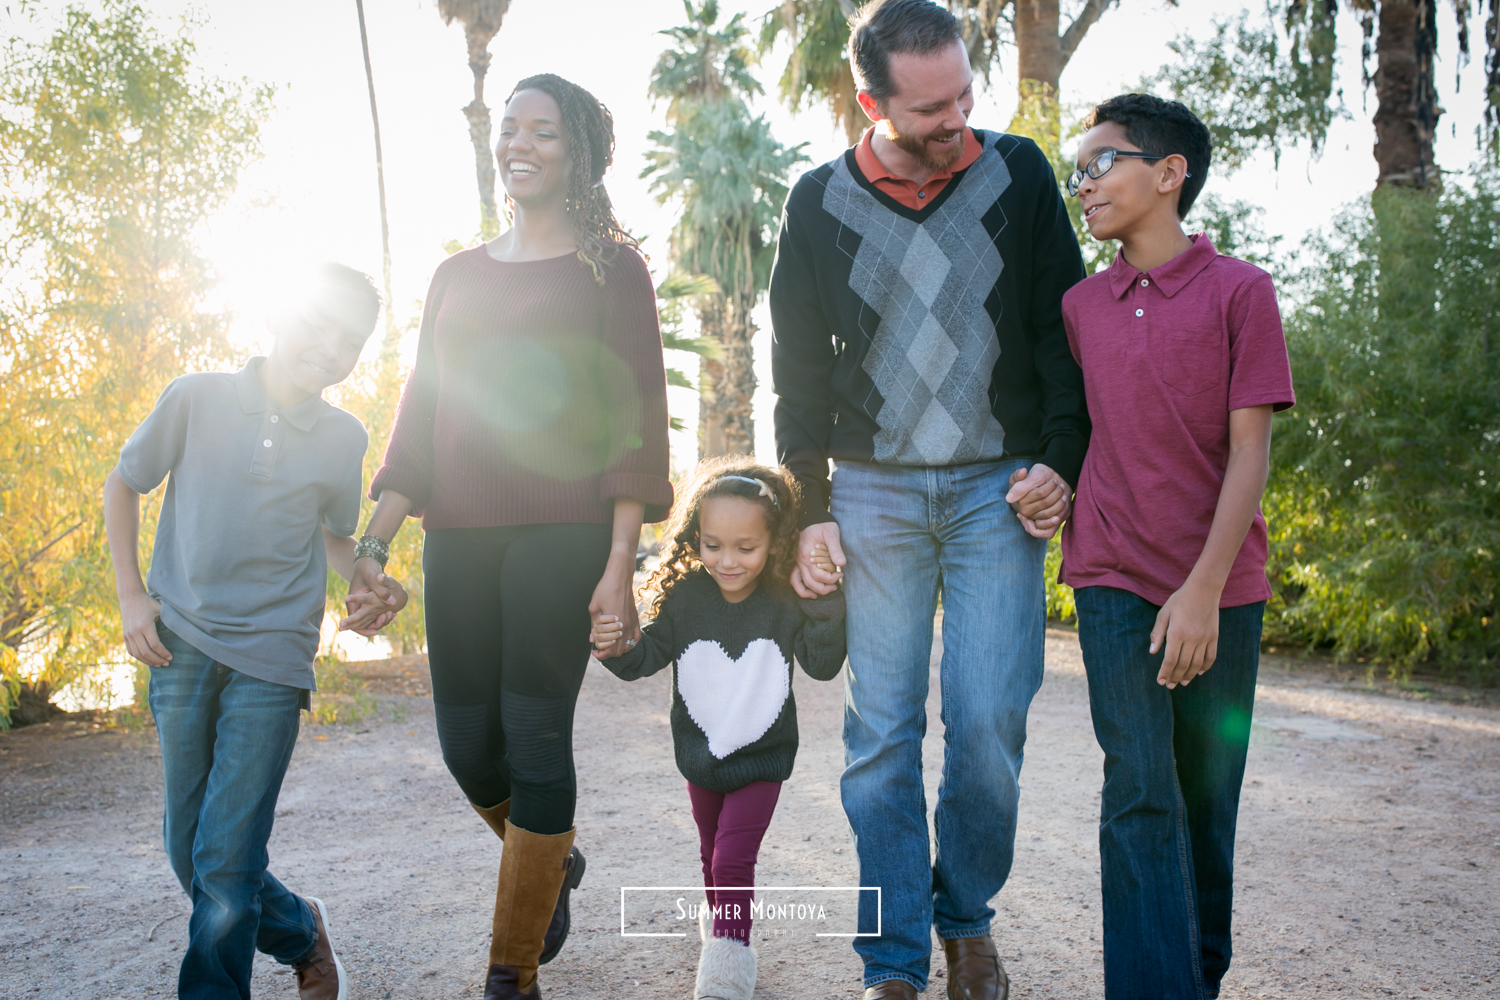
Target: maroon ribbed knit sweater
{"points": [[537, 397]]}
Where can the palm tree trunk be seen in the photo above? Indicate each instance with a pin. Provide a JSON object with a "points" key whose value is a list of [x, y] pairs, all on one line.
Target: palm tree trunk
{"points": [[711, 325], [847, 109], [392, 336], [1038, 45], [1406, 48], [478, 115], [736, 389]]}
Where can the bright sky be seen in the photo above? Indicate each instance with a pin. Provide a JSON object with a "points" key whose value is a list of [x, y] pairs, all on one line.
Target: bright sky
{"points": [[313, 195]]}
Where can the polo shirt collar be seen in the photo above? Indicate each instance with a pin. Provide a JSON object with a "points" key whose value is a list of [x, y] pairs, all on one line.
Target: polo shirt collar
{"points": [[870, 165], [1171, 277], [253, 398]]}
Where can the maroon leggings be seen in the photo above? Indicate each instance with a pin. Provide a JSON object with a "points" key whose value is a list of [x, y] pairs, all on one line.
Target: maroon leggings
{"points": [[730, 828]]}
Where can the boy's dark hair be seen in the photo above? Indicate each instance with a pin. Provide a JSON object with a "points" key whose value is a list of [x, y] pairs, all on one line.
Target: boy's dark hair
{"points": [[357, 284], [1165, 127], [884, 28], [726, 476]]}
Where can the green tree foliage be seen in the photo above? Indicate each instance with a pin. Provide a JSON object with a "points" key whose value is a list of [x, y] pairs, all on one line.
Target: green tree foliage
{"points": [[114, 150], [728, 175], [1258, 85], [1385, 495], [817, 69], [675, 292]]}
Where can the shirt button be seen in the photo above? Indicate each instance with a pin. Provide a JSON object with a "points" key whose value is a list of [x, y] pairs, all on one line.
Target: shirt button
{"points": [[267, 441], [1144, 283], [921, 194], [276, 420], [1138, 312]]}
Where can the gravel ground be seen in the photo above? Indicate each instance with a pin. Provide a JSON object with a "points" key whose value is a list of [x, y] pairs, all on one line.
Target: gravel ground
{"points": [[1369, 852]]}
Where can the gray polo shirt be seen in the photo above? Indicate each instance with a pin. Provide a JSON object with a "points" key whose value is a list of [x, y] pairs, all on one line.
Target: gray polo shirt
{"points": [[238, 564]]}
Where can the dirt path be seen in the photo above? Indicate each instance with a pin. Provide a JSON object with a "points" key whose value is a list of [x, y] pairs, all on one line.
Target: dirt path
{"points": [[1369, 857]]}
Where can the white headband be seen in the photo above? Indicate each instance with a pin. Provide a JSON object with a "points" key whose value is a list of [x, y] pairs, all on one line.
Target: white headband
{"points": [[765, 489]]}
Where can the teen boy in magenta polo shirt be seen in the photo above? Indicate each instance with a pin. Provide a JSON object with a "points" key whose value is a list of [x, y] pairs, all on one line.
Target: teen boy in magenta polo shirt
{"points": [[1183, 363]]}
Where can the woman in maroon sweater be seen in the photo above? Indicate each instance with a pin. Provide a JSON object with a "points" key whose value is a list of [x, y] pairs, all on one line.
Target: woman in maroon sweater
{"points": [[532, 441]]}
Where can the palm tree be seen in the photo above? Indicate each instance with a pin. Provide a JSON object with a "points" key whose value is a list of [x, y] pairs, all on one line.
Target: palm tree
{"points": [[818, 68], [392, 336], [675, 291], [481, 20], [728, 175]]}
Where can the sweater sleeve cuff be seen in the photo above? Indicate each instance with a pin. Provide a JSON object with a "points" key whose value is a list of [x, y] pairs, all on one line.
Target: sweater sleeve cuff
{"points": [[828, 608], [404, 481], [814, 509], [653, 491], [1064, 456]]}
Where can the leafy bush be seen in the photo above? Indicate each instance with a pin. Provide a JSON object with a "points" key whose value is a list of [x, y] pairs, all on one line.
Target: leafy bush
{"points": [[1384, 502]]}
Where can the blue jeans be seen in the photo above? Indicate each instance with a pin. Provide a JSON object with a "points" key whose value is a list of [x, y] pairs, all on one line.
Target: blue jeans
{"points": [[226, 739], [1173, 763], [910, 534]]}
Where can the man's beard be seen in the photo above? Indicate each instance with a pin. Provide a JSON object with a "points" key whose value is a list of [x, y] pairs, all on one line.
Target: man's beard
{"points": [[916, 146]]}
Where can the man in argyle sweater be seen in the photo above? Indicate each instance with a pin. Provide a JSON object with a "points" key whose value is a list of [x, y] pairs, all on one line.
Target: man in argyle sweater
{"points": [[919, 344]]}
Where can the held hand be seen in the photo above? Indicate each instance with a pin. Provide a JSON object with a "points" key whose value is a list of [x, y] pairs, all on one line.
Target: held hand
{"points": [[374, 599], [605, 635], [613, 598], [1041, 499], [368, 614], [1189, 625], [809, 579], [139, 614]]}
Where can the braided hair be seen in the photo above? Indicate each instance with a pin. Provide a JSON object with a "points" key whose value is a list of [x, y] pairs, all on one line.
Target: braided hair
{"points": [[590, 129], [727, 476]]}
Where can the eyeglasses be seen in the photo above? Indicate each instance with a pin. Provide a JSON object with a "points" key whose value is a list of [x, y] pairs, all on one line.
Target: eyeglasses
{"points": [[1101, 164]]}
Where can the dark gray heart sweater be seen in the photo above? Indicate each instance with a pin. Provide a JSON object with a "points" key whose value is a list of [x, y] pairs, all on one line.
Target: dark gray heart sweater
{"points": [[734, 719]]}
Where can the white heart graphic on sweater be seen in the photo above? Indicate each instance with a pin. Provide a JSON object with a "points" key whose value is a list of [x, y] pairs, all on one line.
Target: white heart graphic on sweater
{"points": [[734, 702]]}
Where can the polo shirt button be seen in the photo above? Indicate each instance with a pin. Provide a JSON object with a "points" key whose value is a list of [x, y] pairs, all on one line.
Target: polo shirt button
{"points": [[1144, 283], [267, 441], [276, 420], [1138, 312], [921, 194]]}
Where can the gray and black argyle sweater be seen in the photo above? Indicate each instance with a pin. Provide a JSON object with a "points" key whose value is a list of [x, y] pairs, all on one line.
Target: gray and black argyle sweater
{"points": [[926, 337]]}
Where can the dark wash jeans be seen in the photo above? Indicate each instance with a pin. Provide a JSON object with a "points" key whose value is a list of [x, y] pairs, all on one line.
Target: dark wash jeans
{"points": [[226, 739], [1173, 763]]}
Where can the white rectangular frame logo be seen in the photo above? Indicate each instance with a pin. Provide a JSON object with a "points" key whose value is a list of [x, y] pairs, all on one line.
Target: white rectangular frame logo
{"points": [[879, 909]]}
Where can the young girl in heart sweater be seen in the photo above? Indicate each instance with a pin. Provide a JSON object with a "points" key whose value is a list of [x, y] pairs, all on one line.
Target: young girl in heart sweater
{"points": [[724, 613]]}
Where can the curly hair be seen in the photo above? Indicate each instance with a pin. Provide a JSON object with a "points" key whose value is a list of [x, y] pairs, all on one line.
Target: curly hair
{"points": [[680, 554], [590, 129]]}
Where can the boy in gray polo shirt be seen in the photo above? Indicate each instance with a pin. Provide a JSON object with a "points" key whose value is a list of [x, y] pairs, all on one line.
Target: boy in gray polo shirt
{"points": [[263, 492]]}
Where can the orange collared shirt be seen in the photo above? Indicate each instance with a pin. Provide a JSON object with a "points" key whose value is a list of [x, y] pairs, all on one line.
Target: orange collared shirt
{"points": [[907, 192]]}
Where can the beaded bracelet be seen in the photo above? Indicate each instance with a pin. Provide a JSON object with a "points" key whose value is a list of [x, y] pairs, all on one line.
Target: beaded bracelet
{"points": [[373, 547]]}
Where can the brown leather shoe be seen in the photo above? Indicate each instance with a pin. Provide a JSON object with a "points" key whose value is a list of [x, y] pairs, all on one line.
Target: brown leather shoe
{"points": [[891, 989], [974, 969], [320, 976]]}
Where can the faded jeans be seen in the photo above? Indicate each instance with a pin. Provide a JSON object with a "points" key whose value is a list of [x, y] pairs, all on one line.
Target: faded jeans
{"points": [[1173, 763], [910, 534], [226, 739]]}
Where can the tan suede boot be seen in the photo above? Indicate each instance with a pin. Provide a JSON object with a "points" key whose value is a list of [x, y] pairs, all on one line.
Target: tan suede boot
{"points": [[495, 816], [532, 869], [557, 930]]}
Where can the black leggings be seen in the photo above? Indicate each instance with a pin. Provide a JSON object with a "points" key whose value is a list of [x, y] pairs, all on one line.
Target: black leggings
{"points": [[508, 642]]}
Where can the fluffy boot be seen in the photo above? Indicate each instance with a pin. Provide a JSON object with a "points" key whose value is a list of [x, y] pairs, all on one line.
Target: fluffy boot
{"points": [[726, 970], [557, 930], [533, 867]]}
